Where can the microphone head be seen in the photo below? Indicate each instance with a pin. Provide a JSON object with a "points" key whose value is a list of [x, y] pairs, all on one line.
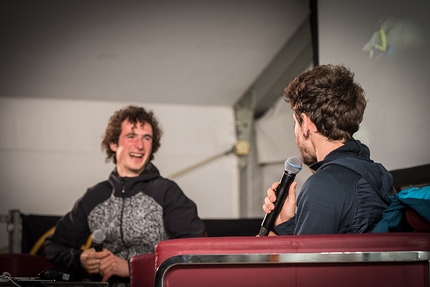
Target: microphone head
{"points": [[293, 165], [98, 236]]}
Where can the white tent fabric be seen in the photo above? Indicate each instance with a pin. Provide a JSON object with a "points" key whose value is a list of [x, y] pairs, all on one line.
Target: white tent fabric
{"points": [[275, 142], [275, 135]]}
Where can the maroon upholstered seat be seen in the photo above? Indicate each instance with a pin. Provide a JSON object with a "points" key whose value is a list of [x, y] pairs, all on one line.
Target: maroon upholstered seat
{"points": [[383, 259], [416, 221], [23, 264]]}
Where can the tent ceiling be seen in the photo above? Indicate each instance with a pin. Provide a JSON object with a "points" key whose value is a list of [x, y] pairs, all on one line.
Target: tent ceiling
{"points": [[197, 52]]}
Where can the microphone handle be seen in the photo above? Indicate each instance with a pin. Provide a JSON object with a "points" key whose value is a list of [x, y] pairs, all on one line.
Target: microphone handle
{"points": [[263, 230], [98, 246], [281, 194]]}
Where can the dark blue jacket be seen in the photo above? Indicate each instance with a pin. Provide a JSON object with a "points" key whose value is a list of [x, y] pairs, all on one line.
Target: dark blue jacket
{"points": [[347, 194]]}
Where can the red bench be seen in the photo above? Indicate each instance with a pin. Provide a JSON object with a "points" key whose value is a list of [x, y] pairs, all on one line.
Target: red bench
{"points": [[382, 259]]}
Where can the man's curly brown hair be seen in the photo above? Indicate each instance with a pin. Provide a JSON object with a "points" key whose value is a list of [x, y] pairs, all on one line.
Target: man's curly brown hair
{"points": [[134, 115], [331, 98]]}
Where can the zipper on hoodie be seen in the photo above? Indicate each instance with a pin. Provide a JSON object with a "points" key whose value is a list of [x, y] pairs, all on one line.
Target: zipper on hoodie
{"points": [[122, 216]]}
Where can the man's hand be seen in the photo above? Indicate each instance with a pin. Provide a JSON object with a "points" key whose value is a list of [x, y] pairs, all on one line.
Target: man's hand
{"points": [[104, 263], [90, 260], [113, 265], [289, 208]]}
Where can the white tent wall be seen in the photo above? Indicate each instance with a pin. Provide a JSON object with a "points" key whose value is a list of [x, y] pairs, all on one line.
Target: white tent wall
{"points": [[395, 124], [50, 154], [275, 142]]}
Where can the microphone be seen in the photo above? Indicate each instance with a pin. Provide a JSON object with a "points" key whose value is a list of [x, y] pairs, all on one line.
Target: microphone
{"points": [[292, 166], [98, 238]]}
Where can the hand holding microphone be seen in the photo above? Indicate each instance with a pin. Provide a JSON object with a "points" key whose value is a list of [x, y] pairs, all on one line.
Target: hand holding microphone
{"points": [[292, 166], [107, 264], [88, 255]]}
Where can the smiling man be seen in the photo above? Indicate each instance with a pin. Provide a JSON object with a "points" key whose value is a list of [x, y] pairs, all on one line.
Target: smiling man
{"points": [[135, 208], [133, 148]]}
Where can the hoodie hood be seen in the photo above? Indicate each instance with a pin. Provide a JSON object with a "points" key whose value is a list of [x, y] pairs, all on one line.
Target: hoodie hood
{"points": [[355, 156], [129, 186]]}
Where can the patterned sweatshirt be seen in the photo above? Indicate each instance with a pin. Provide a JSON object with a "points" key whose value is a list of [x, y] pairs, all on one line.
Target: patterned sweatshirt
{"points": [[134, 213]]}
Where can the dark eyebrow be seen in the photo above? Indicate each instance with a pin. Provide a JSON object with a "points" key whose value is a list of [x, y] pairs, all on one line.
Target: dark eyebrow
{"points": [[135, 134]]}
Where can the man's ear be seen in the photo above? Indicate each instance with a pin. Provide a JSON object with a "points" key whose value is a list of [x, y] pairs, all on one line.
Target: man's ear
{"points": [[307, 124], [113, 146]]}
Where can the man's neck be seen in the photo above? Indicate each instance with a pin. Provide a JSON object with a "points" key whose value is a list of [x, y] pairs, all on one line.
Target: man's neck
{"points": [[128, 174], [324, 146]]}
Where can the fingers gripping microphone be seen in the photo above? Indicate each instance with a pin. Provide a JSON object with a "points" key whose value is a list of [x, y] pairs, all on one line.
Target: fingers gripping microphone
{"points": [[98, 238], [292, 166]]}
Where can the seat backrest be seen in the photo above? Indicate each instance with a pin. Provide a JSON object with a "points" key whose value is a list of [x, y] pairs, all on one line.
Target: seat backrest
{"points": [[29, 231], [183, 271], [370, 242], [232, 227], [416, 221]]}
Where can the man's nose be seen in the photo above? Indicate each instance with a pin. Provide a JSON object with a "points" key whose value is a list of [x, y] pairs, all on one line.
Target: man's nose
{"points": [[139, 143]]}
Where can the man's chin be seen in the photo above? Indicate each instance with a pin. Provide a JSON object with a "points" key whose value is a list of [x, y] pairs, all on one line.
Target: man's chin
{"points": [[140, 168], [308, 160]]}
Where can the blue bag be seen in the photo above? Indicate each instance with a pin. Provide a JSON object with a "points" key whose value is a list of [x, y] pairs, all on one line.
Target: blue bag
{"points": [[393, 217]]}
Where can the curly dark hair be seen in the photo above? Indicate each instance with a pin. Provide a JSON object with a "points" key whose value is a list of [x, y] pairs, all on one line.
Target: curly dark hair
{"points": [[331, 98], [134, 115]]}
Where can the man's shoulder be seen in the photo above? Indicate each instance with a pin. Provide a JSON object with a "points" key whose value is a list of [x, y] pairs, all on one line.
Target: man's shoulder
{"points": [[338, 170], [331, 178], [332, 171], [165, 184], [101, 190], [104, 185], [93, 196]]}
